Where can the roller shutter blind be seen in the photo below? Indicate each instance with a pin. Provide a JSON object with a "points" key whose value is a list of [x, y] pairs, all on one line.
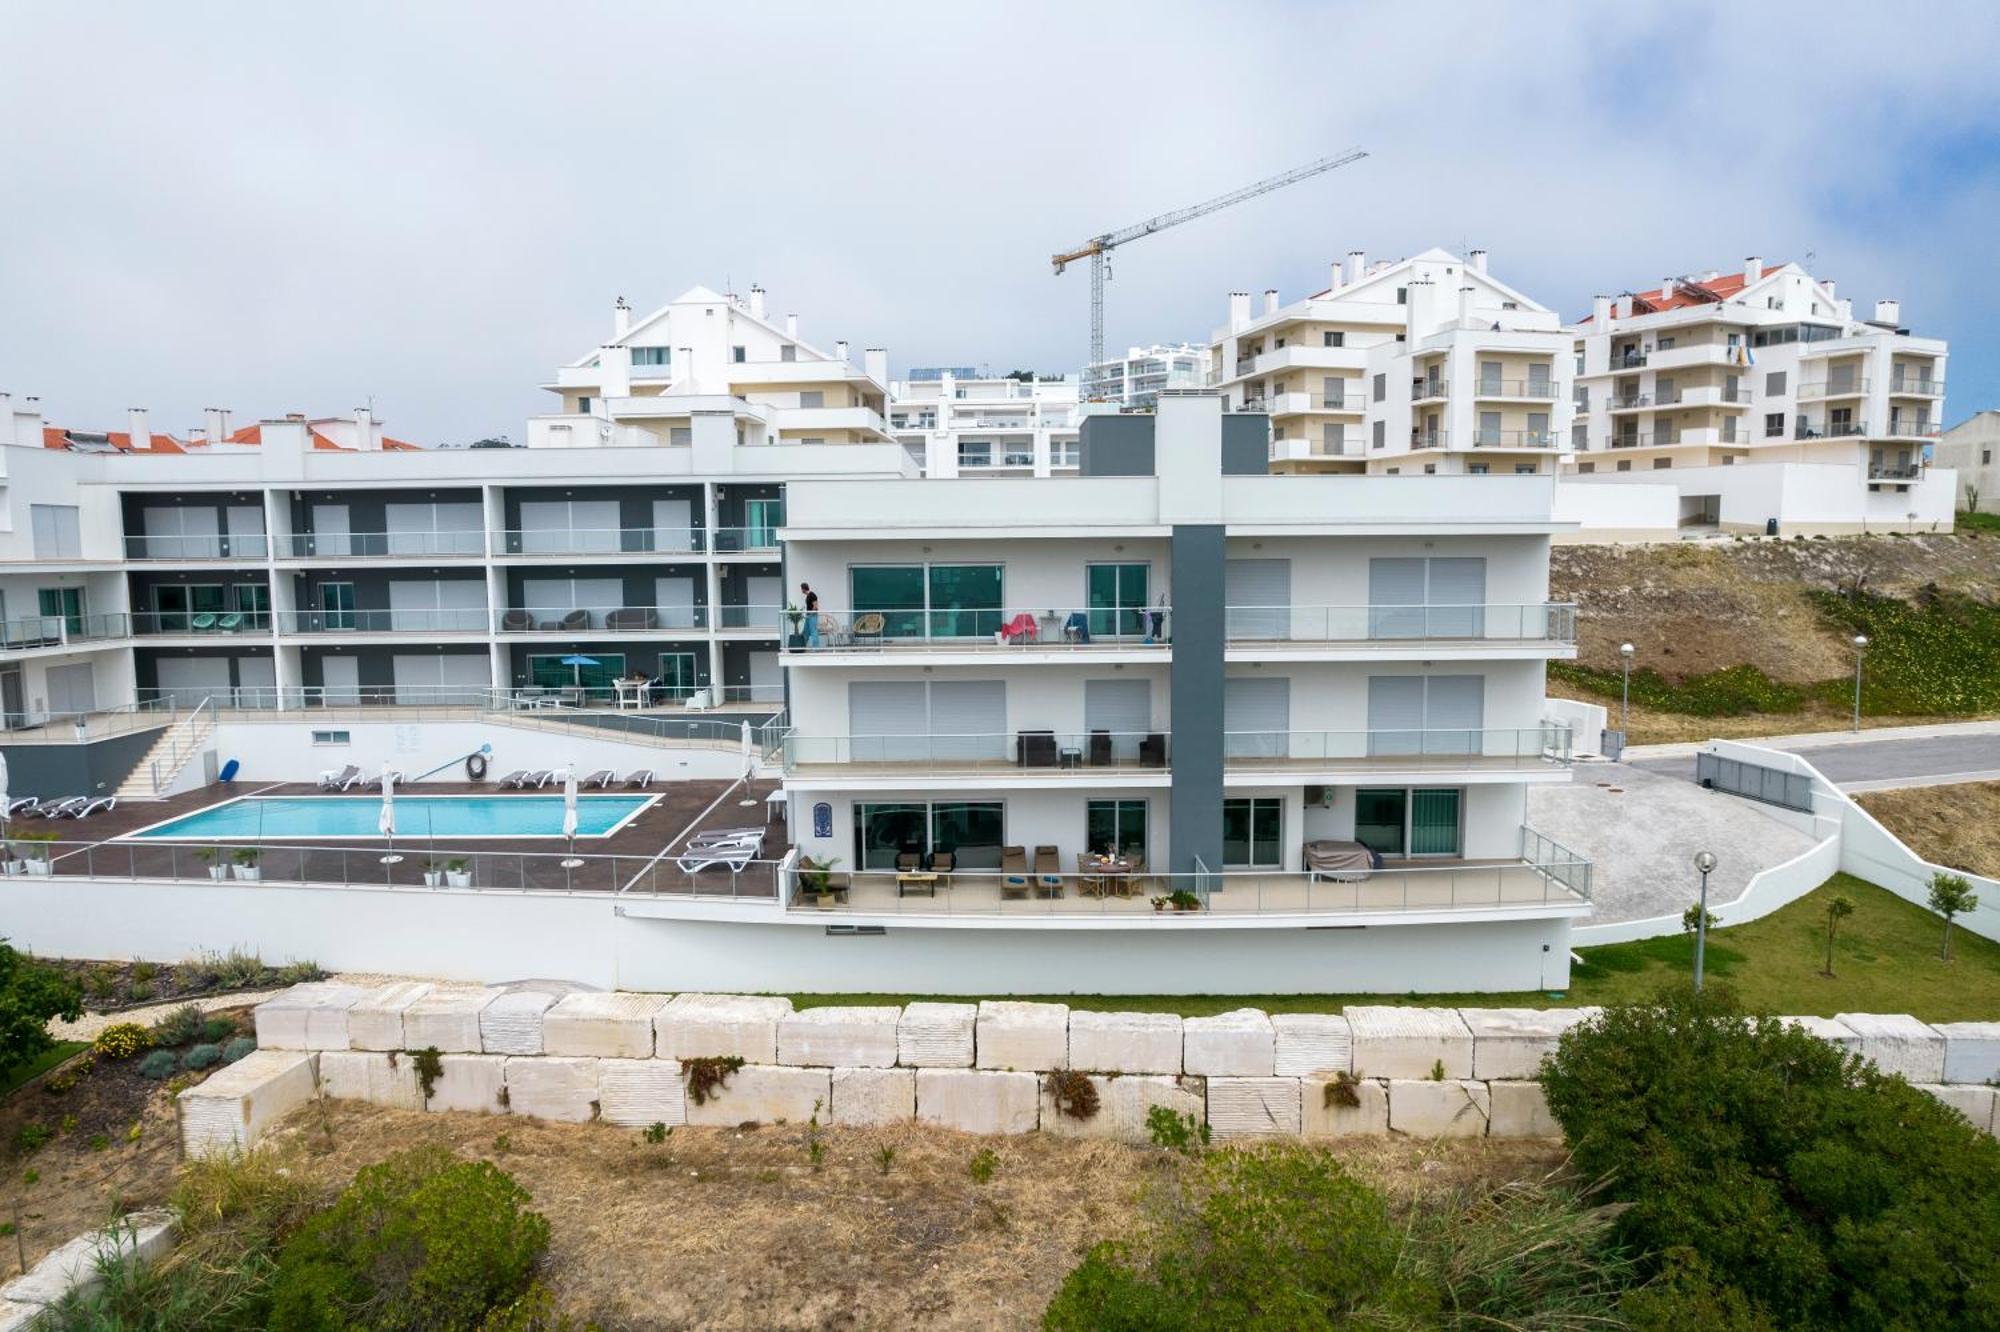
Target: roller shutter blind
{"points": [[1415, 714], [1395, 714], [886, 720], [1122, 707], [969, 719], [1258, 598], [1256, 716], [1396, 598], [1457, 596]]}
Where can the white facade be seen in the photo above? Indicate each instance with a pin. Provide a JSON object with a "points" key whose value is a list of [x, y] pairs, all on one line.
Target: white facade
{"points": [[1972, 449], [984, 426], [1420, 366], [1136, 379]]}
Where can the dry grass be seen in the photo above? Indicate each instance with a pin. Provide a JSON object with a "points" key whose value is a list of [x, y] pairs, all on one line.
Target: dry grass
{"points": [[1955, 825], [725, 1228], [1653, 727]]}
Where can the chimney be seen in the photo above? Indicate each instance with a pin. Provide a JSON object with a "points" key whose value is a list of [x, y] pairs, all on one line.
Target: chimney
{"points": [[1600, 310], [840, 351], [875, 361], [756, 302], [621, 318], [1888, 312], [792, 327], [1356, 260], [364, 431], [223, 414], [1270, 300], [1830, 295], [1753, 268], [1844, 308], [215, 430], [1239, 309], [142, 433], [1624, 308], [1464, 304], [1478, 261], [1666, 288], [1333, 284]]}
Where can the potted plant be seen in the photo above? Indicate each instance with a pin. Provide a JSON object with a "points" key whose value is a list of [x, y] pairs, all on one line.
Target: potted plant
{"points": [[246, 858], [35, 855], [797, 619], [211, 856], [10, 860], [458, 872], [816, 879], [433, 876]]}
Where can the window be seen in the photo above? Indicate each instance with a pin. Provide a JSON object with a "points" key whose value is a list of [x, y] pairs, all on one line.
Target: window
{"points": [[1586, 468], [1774, 424], [788, 352], [1420, 821], [972, 831], [652, 356], [330, 737], [1333, 338], [1474, 469], [583, 404], [336, 604], [1489, 428], [58, 533], [939, 600], [549, 671], [1538, 430], [1117, 597], [1624, 464], [1115, 826], [1065, 453], [1985, 457], [812, 398], [738, 354], [1402, 295], [1381, 387], [1664, 344], [1417, 596], [1662, 464], [1774, 383], [1018, 455], [1579, 436], [975, 453], [1251, 833], [1430, 469], [64, 603], [1378, 440], [1583, 397], [1524, 469]]}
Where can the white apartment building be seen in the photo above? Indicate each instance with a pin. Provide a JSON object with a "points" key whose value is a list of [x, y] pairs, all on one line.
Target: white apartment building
{"points": [[1764, 365], [1136, 379], [954, 421], [1972, 449], [1421, 366]]}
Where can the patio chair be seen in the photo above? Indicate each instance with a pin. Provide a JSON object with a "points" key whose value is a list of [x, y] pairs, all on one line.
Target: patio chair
{"points": [[632, 619], [909, 862], [1153, 751], [537, 779], [575, 620], [1089, 883], [376, 781], [714, 835], [1076, 628], [229, 623], [600, 779], [869, 628], [1013, 873], [1137, 881], [27, 807], [1037, 749], [1100, 749], [642, 778], [1048, 872], [517, 622], [512, 781], [331, 781], [203, 622], [942, 865], [101, 805], [64, 808]]}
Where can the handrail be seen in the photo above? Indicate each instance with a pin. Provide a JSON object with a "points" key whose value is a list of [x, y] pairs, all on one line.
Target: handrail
{"points": [[191, 729], [1541, 622], [1034, 625]]}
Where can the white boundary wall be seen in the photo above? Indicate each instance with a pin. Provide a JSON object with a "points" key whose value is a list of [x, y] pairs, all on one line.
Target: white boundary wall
{"points": [[283, 751]]}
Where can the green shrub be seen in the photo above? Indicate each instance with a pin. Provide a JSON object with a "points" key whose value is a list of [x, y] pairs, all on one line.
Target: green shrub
{"points": [[421, 1241], [31, 993], [1730, 692], [1186, 1134], [159, 1065], [984, 1164], [201, 1056], [179, 1026], [237, 1047], [31, 1137], [122, 1040], [216, 1030], [1828, 1194]]}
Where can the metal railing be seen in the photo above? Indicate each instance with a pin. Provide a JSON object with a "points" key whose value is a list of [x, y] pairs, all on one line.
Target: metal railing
{"points": [[1514, 388], [999, 628], [34, 631], [573, 620], [1424, 390], [1430, 439], [1916, 386], [1629, 360], [1828, 430], [200, 622], [1834, 388], [1471, 747], [185, 739], [1545, 622], [1033, 750], [384, 545], [31, 727], [443, 620], [1557, 861], [399, 703], [223, 546], [1903, 429], [1772, 786], [1894, 471], [1484, 438], [1622, 402]]}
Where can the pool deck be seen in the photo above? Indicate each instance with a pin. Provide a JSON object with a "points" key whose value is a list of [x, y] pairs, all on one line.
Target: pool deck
{"points": [[92, 846]]}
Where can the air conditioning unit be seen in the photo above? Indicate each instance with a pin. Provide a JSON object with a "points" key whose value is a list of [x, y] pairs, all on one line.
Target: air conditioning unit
{"points": [[1320, 796]]}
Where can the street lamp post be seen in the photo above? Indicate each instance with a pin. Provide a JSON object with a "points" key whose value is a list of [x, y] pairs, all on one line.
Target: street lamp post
{"points": [[1860, 647], [1625, 697], [1703, 861]]}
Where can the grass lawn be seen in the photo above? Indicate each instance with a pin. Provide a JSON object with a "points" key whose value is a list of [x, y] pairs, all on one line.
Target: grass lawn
{"points": [[1884, 961], [1977, 522], [42, 1063]]}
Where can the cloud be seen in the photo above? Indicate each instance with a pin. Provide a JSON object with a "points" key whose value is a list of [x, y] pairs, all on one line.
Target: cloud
{"points": [[272, 208]]}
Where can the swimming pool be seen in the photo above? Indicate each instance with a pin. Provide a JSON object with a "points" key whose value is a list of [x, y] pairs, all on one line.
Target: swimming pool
{"points": [[345, 818]]}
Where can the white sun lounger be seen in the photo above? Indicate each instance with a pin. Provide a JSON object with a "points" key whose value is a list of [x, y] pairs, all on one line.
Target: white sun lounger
{"points": [[512, 780], [537, 779], [101, 805], [642, 778], [333, 781], [27, 807], [734, 855], [599, 779], [64, 808]]}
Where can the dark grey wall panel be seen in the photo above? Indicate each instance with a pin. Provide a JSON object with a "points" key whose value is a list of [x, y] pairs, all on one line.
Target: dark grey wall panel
{"points": [[95, 768], [1246, 444], [1116, 445], [1199, 561]]}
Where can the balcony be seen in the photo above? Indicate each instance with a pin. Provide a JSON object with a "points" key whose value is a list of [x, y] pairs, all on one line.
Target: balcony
{"points": [[1516, 390], [569, 621], [207, 624], [1294, 403], [249, 546], [1429, 390], [55, 631], [864, 419], [1430, 439], [1484, 438], [1544, 622], [1629, 402], [1915, 386], [638, 540], [1362, 753], [384, 545], [447, 620], [1895, 472], [1854, 386], [1649, 439], [847, 634], [1904, 429], [1302, 450], [1082, 756], [1833, 430], [1628, 360]]}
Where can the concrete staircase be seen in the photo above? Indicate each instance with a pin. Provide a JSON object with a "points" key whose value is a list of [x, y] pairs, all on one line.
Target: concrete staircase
{"points": [[153, 777]]}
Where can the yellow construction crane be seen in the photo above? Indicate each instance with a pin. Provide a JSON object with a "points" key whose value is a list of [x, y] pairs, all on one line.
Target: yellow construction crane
{"points": [[1098, 248]]}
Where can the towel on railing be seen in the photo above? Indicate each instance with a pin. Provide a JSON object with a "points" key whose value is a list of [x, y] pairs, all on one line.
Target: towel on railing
{"points": [[1020, 629]]}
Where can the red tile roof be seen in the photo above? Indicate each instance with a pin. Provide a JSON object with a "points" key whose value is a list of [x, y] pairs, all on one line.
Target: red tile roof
{"points": [[255, 435], [57, 437], [1687, 292]]}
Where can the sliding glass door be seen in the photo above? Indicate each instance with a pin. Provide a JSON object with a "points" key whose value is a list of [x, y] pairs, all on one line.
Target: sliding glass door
{"points": [[1252, 833], [972, 831], [1117, 599], [1397, 821], [1115, 827], [929, 601]]}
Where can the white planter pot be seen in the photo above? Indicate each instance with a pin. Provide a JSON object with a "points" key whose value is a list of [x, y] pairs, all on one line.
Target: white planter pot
{"points": [[248, 873], [432, 878], [10, 867], [218, 871], [458, 878], [39, 868]]}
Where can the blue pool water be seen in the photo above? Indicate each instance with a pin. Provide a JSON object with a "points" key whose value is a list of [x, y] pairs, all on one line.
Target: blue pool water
{"points": [[305, 818]]}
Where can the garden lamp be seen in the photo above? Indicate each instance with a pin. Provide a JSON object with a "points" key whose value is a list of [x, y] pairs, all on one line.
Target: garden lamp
{"points": [[1705, 862]]}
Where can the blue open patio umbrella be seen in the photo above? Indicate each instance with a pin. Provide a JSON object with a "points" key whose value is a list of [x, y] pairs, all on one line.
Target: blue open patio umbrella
{"points": [[576, 661]]}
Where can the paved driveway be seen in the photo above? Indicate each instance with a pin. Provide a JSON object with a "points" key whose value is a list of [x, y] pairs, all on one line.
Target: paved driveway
{"points": [[1956, 754], [1641, 829]]}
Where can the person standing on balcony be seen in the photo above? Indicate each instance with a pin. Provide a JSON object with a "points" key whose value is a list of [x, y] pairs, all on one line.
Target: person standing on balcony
{"points": [[811, 599]]}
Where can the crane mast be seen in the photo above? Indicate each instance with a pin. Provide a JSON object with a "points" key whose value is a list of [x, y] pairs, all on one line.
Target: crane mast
{"points": [[1098, 248]]}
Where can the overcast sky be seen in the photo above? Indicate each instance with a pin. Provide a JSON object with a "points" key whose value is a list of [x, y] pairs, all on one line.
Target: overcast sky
{"points": [[287, 208]]}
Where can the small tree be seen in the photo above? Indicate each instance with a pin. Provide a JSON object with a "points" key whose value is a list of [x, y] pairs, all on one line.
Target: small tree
{"points": [[1950, 896], [1691, 919], [1836, 911], [31, 993]]}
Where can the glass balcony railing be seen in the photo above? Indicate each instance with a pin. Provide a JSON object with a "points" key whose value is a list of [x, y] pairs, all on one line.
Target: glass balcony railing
{"points": [[573, 620], [35, 631], [448, 620], [971, 629], [1545, 622], [249, 546], [384, 545]]}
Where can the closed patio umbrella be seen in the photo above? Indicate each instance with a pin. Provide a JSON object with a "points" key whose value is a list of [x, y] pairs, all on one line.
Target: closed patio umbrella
{"points": [[385, 823], [569, 816]]}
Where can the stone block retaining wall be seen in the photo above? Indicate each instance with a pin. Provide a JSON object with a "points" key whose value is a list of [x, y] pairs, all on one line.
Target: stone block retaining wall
{"points": [[985, 1068]]}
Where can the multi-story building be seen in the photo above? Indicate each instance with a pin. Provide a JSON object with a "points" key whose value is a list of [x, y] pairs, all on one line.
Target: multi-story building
{"points": [[1428, 365], [958, 422], [1764, 365], [1972, 448], [1136, 379], [1198, 669]]}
